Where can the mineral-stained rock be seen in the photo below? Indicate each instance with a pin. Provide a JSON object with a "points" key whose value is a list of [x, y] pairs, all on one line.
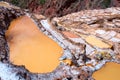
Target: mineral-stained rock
{"points": [[81, 58], [102, 37]]}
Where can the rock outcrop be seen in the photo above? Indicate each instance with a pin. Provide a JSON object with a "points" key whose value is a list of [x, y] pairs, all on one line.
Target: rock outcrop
{"points": [[51, 8]]}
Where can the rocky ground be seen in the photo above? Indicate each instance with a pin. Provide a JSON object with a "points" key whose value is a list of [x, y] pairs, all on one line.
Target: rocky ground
{"points": [[90, 38]]}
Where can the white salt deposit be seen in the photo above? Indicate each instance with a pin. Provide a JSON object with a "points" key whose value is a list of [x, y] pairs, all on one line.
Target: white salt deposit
{"points": [[100, 31], [6, 73]]}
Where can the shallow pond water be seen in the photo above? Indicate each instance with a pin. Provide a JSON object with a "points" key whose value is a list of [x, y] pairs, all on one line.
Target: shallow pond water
{"points": [[31, 48]]}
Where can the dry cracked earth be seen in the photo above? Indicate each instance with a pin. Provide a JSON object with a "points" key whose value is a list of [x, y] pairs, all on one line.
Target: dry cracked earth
{"points": [[90, 38]]}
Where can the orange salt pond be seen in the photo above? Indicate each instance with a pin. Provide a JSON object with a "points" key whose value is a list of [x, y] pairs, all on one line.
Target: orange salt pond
{"points": [[31, 48], [69, 34], [96, 42], [111, 71]]}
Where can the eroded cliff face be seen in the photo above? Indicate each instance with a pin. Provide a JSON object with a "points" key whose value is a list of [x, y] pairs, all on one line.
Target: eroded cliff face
{"points": [[89, 39], [51, 8]]}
